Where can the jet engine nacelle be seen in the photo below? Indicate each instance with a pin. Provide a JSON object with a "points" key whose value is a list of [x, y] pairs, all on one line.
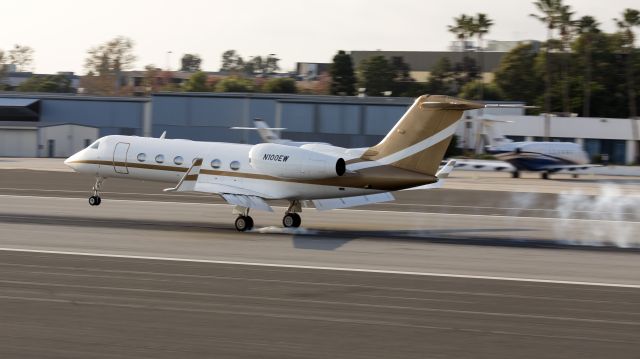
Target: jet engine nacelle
{"points": [[294, 162]]}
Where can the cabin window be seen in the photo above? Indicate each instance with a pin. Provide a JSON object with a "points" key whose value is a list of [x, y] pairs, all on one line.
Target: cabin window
{"points": [[160, 158], [235, 165], [178, 160], [216, 163], [142, 157], [95, 145]]}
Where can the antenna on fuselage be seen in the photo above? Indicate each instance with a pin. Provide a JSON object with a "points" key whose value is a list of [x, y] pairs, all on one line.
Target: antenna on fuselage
{"points": [[163, 135]]}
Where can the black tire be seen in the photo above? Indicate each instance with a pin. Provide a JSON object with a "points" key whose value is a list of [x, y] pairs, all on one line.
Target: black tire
{"points": [[515, 174], [249, 223], [99, 200], [544, 175], [298, 220], [242, 223], [288, 220], [93, 201]]}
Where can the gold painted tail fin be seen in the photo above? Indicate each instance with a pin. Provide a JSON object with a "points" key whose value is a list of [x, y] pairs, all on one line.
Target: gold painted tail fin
{"points": [[420, 138]]}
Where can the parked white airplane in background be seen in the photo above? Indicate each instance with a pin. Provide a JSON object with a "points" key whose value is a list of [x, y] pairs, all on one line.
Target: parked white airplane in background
{"points": [[247, 175], [543, 157]]}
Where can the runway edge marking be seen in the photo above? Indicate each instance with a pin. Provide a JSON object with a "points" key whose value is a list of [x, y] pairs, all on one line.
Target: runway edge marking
{"points": [[345, 269]]}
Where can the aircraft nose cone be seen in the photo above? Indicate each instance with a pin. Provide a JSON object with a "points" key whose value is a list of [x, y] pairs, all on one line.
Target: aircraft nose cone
{"points": [[69, 162]]}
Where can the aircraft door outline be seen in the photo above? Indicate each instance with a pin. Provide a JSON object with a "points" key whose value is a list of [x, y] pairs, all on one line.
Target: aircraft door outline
{"points": [[120, 157]]}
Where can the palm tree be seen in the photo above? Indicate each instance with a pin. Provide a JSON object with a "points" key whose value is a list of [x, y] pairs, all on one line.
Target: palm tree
{"points": [[549, 10], [565, 27], [463, 30], [586, 27], [630, 19], [549, 17], [480, 26]]}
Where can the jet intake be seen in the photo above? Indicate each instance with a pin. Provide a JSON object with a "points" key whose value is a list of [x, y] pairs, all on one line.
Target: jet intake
{"points": [[295, 163]]}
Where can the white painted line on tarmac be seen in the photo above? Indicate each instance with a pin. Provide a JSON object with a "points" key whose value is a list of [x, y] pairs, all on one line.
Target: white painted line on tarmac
{"points": [[339, 210], [345, 269]]}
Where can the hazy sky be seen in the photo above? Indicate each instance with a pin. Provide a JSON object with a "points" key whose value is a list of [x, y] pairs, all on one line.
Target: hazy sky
{"points": [[61, 31]]}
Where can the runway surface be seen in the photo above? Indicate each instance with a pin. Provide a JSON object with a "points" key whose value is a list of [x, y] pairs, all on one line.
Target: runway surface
{"points": [[446, 273], [61, 306]]}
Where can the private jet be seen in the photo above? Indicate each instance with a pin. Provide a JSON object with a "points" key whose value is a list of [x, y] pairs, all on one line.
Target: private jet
{"points": [[306, 174], [534, 156]]}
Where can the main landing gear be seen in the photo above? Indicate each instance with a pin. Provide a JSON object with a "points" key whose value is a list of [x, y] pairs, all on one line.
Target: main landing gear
{"points": [[244, 222], [95, 199], [291, 217]]}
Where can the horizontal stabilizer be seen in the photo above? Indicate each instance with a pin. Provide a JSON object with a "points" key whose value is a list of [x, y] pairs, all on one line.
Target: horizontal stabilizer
{"points": [[253, 202], [188, 181], [446, 170], [346, 202], [442, 174]]}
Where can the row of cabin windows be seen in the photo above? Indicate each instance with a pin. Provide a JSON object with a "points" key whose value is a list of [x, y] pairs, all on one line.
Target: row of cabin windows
{"points": [[178, 160]]}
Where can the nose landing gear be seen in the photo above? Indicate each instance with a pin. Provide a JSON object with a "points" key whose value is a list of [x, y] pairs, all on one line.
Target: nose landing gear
{"points": [[95, 199]]}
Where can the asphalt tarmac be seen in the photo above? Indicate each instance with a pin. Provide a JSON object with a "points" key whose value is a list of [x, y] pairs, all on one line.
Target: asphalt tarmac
{"points": [[621, 201], [69, 306], [438, 274]]}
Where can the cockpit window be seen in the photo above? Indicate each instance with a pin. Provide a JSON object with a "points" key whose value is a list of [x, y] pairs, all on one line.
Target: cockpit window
{"points": [[95, 145]]}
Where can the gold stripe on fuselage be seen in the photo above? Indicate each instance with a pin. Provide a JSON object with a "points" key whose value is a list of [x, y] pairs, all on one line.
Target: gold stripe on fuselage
{"points": [[386, 177]]}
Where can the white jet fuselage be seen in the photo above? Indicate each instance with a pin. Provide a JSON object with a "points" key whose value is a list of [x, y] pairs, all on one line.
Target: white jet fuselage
{"points": [[226, 164]]}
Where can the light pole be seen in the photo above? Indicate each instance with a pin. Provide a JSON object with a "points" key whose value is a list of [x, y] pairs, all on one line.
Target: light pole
{"points": [[169, 60]]}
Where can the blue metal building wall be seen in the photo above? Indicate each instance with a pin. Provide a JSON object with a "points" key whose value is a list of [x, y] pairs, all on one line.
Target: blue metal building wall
{"points": [[349, 122]]}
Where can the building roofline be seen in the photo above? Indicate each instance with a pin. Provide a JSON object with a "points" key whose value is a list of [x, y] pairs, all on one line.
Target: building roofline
{"points": [[72, 97]]}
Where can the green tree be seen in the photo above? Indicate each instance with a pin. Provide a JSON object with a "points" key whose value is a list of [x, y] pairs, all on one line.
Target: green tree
{"points": [[472, 90], [234, 84], [280, 85], [630, 19], [190, 63], [46, 83], [403, 82], [586, 27], [197, 83], [516, 77], [21, 56], [442, 79], [343, 79], [376, 75]]}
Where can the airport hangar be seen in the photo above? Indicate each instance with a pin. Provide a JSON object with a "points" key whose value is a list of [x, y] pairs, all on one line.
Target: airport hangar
{"points": [[26, 120]]}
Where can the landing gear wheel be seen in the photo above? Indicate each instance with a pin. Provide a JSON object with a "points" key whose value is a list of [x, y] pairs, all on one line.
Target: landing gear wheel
{"points": [[291, 220], [244, 223], [515, 174], [544, 175], [95, 200]]}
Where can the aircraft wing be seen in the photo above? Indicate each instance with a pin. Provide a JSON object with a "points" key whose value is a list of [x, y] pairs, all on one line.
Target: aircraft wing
{"points": [[346, 202], [556, 168], [192, 182]]}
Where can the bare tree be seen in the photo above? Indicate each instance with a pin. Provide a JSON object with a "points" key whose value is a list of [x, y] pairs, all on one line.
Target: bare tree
{"points": [[21, 56], [109, 59]]}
